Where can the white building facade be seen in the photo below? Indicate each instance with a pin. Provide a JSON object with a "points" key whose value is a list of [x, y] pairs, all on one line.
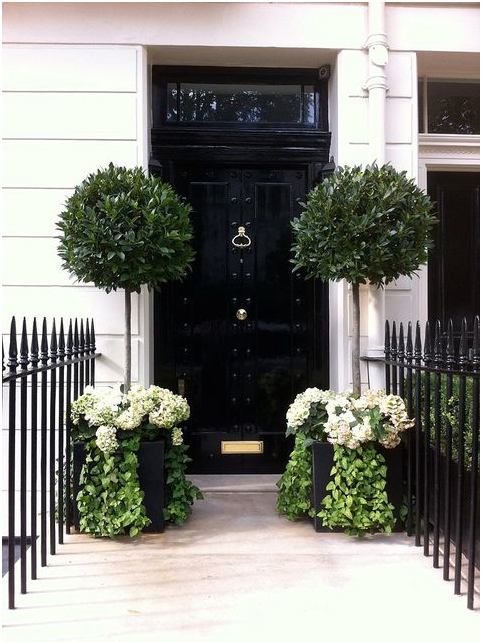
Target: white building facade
{"points": [[77, 83]]}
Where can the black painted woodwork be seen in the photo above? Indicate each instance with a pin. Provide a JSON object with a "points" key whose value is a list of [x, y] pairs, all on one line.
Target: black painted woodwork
{"points": [[239, 377], [454, 263]]}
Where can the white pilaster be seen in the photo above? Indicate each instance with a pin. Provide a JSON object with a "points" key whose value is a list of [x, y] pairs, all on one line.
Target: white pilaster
{"points": [[377, 86]]}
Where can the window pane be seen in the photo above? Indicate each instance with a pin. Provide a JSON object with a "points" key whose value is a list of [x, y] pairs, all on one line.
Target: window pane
{"points": [[453, 107], [171, 102], [245, 103], [308, 104], [420, 107]]}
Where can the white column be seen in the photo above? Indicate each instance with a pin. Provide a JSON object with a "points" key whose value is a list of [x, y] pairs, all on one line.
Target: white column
{"points": [[376, 85]]}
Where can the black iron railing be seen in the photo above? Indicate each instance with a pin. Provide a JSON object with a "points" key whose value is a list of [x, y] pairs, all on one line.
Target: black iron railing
{"points": [[441, 386], [64, 367]]}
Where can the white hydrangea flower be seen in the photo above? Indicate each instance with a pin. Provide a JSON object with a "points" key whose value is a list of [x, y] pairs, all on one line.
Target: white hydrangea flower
{"points": [[128, 419], [177, 437], [106, 439], [172, 410], [98, 406], [299, 411], [349, 419]]}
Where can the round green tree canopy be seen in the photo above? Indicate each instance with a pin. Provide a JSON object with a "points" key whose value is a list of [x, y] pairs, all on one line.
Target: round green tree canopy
{"points": [[122, 229], [369, 224]]}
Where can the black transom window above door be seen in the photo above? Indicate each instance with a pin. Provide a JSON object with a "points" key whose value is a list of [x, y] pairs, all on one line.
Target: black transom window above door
{"points": [[240, 97]]}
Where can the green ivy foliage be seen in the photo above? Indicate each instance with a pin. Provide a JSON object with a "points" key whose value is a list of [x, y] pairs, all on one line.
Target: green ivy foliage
{"points": [[295, 485], [449, 413], [357, 500], [180, 493], [363, 224], [122, 229], [110, 499]]}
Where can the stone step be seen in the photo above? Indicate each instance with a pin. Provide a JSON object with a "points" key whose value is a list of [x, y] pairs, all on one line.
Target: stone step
{"points": [[236, 483]]}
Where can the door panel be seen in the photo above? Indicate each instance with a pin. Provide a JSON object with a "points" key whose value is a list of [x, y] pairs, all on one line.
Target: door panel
{"points": [[453, 264], [239, 375]]}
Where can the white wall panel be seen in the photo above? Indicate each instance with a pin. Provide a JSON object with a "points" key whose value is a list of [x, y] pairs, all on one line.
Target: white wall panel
{"points": [[70, 115], [68, 68], [436, 26], [399, 121], [109, 367], [107, 310], [357, 154], [32, 261], [60, 163], [401, 157], [357, 124], [403, 283], [399, 307], [399, 75], [356, 72], [262, 24], [32, 212]]}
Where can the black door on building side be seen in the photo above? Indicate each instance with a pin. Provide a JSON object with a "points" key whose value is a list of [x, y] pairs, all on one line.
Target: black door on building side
{"points": [[239, 335], [454, 262]]}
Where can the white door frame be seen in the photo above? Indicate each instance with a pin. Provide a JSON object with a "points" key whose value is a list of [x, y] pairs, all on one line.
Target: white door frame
{"points": [[442, 153]]}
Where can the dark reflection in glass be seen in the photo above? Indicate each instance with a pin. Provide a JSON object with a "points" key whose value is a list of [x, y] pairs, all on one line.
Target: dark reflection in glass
{"points": [[421, 126], [200, 102], [453, 107], [172, 101]]}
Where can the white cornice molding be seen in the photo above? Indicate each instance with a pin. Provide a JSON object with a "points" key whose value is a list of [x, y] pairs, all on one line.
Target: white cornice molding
{"points": [[449, 145], [452, 140]]}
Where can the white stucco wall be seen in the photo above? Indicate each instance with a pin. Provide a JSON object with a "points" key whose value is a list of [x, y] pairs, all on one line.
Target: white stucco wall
{"points": [[67, 110]]}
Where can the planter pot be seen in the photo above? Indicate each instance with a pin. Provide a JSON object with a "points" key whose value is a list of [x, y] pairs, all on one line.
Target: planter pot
{"points": [[322, 463], [151, 481]]}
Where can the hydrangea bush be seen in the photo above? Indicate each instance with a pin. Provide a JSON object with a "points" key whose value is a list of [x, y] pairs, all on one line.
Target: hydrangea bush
{"points": [[109, 412], [348, 419], [354, 424], [111, 425]]}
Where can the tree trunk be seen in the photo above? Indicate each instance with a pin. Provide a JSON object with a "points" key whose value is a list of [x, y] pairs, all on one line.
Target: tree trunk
{"points": [[355, 352], [127, 341]]}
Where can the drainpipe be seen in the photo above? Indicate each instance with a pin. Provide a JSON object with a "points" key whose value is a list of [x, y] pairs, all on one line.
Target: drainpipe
{"points": [[376, 85]]}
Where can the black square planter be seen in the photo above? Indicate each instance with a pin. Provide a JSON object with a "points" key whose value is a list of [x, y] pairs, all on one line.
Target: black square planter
{"points": [[151, 481], [322, 463]]}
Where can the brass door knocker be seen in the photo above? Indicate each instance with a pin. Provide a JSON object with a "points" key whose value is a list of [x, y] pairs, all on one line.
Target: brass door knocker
{"points": [[241, 239]]}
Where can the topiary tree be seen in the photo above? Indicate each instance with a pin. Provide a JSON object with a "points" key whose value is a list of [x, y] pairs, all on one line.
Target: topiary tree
{"points": [[122, 229], [361, 225]]}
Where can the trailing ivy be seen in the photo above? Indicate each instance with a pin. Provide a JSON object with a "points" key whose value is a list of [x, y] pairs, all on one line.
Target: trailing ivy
{"points": [[180, 493], [110, 499], [111, 426], [295, 486], [357, 500]]}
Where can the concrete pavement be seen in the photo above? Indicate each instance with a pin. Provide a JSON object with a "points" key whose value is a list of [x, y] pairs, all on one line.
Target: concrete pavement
{"points": [[239, 572]]}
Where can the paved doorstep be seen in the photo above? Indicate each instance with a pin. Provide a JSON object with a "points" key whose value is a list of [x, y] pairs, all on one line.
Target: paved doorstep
{"points": [[237, 571]]}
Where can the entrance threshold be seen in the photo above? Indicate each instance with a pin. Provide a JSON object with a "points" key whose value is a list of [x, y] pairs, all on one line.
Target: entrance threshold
{"points": [[236, 483]]}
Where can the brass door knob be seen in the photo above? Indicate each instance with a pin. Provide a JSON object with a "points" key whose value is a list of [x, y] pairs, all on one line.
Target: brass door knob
{"points": [[241, 314]]}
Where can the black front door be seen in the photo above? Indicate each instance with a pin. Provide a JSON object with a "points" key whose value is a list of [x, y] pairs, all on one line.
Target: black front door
{"points": [[454, 263], [238, 336]]}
